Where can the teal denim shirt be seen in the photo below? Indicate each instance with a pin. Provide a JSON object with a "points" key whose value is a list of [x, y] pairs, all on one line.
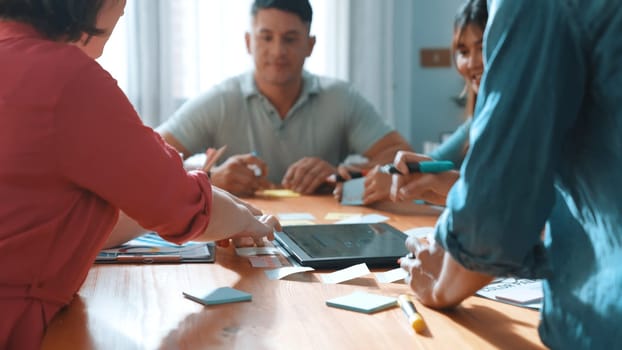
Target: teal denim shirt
{"points": [[546, 152]]}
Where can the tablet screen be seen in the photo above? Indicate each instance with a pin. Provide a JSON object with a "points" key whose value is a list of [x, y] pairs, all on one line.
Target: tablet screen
{"points": [[361, 242]]}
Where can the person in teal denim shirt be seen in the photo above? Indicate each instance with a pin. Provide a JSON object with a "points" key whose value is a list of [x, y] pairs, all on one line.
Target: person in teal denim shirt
{"points": [[545, 151]]}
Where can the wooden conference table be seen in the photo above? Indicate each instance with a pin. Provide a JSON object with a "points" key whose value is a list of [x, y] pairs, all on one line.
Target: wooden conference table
{"points": [[142, 307]]}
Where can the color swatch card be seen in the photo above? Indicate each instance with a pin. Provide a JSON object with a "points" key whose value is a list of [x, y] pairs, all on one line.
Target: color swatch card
{"points": [[346, 274], [362, 302], [221, 295]]}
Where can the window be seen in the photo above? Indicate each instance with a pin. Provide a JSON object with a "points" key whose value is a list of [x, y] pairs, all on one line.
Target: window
{"points": [[164, 52]]}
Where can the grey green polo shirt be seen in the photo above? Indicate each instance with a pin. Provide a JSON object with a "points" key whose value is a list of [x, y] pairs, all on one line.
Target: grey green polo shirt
{"points": [[330, 120]]}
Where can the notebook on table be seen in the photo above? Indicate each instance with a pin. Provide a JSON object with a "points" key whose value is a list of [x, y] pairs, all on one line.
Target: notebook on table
{"points": [[151, 248], [339, 246]]}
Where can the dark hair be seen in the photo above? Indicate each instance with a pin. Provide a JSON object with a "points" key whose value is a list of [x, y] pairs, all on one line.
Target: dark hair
{"points": [[300, 8], [471, 12], [56, 19]]}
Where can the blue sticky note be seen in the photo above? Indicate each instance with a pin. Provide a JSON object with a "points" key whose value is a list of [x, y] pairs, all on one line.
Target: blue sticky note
{"points": [[362, 302], [221, 295], [352, 192]]}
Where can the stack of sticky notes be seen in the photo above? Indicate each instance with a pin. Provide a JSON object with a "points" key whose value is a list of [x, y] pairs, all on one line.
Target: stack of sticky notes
{"points": [[362, 302], [221, 295]]}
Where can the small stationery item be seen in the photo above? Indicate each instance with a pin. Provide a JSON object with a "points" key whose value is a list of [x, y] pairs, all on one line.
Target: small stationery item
{"points": [[362, 302], [256, 170], [516, 291], [391, 276], [432, 166], [354, 174], [253, 251], [365, 219], [295, 216], [341, 216], [296, 222], [222, 295], [346, 274], [277, 274], [270, 261], [151, 248], [414, 318], [212, 157], [277, 193], [352, 192], [421, 232]]}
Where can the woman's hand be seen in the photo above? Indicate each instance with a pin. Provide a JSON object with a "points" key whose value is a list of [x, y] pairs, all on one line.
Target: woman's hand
{"points": [[377, 184], [233, 219], [431, 187]]}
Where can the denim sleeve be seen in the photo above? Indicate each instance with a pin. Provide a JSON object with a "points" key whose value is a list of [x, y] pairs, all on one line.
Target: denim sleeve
{"points": [[454, 147], [529, 97]]}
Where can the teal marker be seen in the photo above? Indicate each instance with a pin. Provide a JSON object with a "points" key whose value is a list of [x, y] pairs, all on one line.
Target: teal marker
{"points": [[431, 166]]}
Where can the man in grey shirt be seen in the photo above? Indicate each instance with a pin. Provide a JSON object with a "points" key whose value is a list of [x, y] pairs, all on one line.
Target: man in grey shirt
{"points": [[292, 125]]}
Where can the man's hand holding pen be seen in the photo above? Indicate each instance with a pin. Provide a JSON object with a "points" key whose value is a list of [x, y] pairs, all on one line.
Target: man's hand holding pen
{"points": [[238, 175]]}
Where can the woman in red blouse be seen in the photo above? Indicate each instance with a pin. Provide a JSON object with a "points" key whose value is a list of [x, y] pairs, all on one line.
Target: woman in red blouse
{"points": [[73, 155]]}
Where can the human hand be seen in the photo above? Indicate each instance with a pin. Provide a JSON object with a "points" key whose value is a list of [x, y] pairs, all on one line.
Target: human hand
{"points": [[431, 187], [237, 175], [239, 221], [436, 278], [253, 237], [307, 174], [424, 265], [345, 173], [377, 186]]}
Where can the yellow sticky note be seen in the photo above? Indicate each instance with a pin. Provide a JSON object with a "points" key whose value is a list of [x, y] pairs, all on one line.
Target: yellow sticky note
{"points": [[281, 193], [340, 216]]}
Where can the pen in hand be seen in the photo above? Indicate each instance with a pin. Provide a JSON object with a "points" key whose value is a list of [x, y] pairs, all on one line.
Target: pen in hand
{"points": [[430, 166], [353, 175], [212, 157], [253, 167], [414, 319]]}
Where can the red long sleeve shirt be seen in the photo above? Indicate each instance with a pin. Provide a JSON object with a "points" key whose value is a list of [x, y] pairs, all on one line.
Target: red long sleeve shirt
{"points": [[72, 153]]}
